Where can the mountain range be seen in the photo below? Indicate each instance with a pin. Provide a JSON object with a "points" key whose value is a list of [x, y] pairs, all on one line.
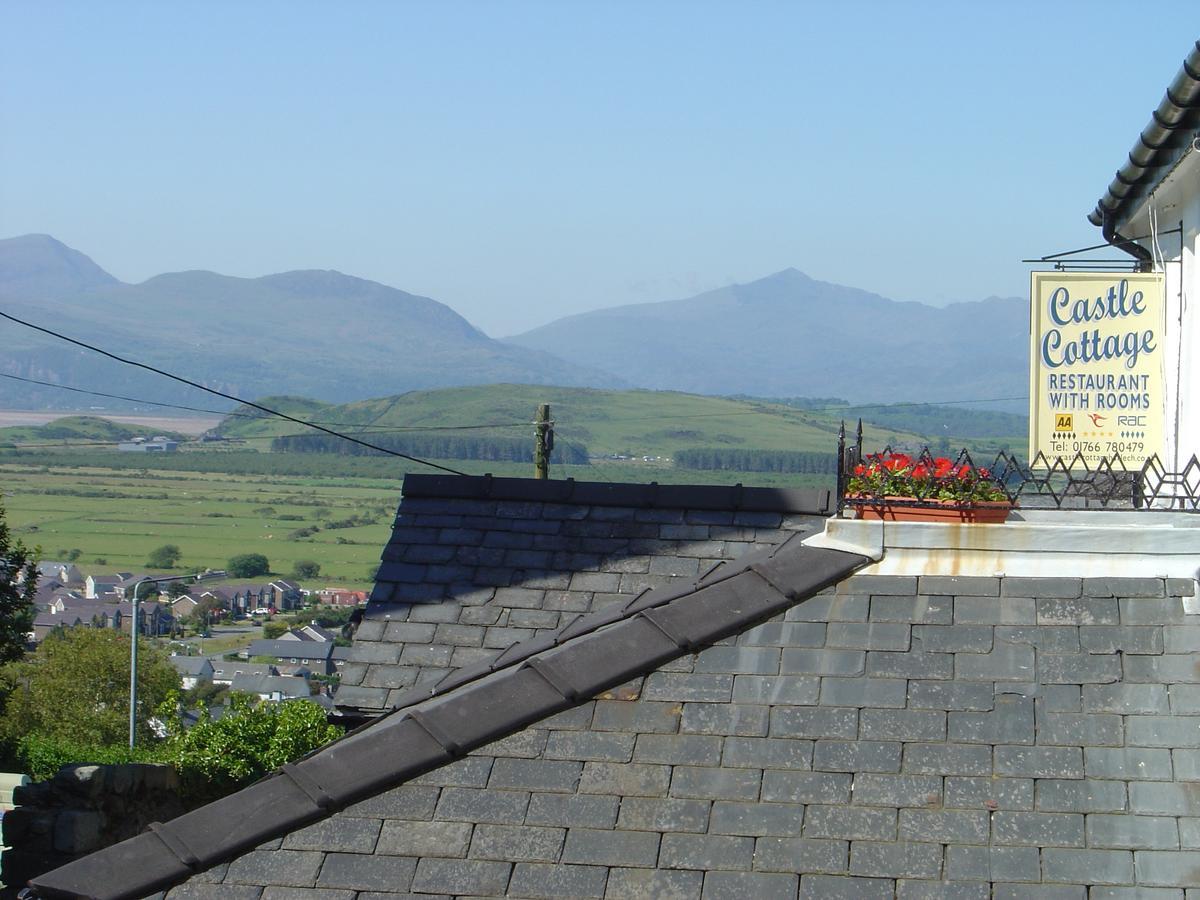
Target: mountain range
{"points": [[337, 338]]}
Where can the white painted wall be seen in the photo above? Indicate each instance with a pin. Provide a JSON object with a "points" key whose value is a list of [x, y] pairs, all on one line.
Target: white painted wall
{"points": [[1177, 199]]}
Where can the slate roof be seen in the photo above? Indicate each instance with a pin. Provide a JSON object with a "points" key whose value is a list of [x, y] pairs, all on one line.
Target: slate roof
{"points": [[284, 685], [291, 649], [477, 564], [627, 636], [192, 665], [753, 732]]}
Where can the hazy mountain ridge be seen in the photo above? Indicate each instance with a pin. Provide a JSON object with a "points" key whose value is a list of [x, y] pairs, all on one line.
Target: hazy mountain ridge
{"points": [[319, 333], [790, 334], [335, 337]]}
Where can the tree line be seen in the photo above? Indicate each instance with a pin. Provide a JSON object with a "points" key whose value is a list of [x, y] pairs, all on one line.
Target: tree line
{"points": [[744, 460], [436, 446]]}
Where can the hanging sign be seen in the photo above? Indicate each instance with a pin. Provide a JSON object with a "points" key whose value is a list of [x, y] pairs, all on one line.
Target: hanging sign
{"points": [[1096, 366]]}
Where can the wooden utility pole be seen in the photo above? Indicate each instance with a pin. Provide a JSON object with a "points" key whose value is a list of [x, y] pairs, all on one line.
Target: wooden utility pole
{"points": [[545, 442]]}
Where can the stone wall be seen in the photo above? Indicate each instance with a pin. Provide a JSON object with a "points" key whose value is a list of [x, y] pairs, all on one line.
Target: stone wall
{"points": [[81, 809]]}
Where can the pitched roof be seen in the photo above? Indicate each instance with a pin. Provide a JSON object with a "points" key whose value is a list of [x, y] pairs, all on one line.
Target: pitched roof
{"points": [[291, 649], [192, 665], [1167, 137], [285, 685], [533, 679]]}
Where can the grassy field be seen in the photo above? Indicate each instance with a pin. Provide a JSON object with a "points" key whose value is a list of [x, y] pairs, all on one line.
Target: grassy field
{"points": [[120, 516]]}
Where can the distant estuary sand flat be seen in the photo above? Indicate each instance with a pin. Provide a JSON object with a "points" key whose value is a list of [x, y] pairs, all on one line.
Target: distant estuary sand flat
{"points": [[181, 424]]}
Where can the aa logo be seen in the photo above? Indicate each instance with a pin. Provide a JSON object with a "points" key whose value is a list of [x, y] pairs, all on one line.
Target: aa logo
{"points": [[1063, 422]]}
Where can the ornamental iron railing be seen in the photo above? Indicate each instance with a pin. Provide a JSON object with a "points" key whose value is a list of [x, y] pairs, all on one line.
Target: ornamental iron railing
{"points": [[1048, 482]]}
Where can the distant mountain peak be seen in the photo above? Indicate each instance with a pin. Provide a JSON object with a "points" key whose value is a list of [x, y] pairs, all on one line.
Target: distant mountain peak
{"points": [[41, 263]]}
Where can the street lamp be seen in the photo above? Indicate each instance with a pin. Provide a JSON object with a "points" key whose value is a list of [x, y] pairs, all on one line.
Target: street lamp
{"points": [[133, 645]]}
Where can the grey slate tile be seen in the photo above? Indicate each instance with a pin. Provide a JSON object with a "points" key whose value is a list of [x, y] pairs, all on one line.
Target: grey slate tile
{"points": [[974, 792], [591, 846], [1167, 868], [740, 885], [816, 722], [678, 749], [490, 806], [850, 823], [658, 814], [661, 884], [461, 876], [1127, 763], [600, 746], [443, 839], [833, 887], [755, 819], [625, 779], [340, 833], [288, 868], [764, 753], [895, 859], [575, 810], [542, 881], [942, 890], [1011, 864], [359, 872], [742, 719], [806, 787], [517, 843], [778, 854], [897, 790], [1037, 829], [944, 826], [857, 756], [1132, 832], [706, 851], [715, 783]]}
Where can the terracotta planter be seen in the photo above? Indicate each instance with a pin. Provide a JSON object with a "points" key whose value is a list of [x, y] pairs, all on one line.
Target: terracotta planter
{"points": [[982, 512]]}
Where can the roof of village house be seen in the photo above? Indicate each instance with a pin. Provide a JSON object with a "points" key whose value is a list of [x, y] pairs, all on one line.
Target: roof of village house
{"points": [[291, 649], [1167, 137], [192, 665], [744, 731], [284, 685]]}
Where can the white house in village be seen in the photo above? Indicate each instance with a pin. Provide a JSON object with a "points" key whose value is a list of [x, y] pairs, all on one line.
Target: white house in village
{"points": [[1156, 191]]}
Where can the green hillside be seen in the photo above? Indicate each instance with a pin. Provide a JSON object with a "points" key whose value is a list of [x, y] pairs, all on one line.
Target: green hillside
{"points": [[78, 429], [608, 423]]}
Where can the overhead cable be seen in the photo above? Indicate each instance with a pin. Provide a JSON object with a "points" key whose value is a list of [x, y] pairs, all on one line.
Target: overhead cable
{"points": [[215, 392], [237, 415]]}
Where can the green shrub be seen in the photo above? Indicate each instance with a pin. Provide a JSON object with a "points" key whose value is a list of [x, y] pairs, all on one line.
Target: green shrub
{"points": [[217, 757], [41, 756]]}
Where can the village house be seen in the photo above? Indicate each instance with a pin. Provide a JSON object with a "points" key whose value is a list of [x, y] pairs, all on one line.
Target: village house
{"points": [[192, 670], [315, 655]]}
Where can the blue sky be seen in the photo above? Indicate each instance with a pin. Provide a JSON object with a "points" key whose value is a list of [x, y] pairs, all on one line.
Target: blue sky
{"points": [[522, 161]]}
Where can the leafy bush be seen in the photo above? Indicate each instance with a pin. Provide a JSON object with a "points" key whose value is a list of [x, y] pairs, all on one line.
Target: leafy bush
{"points": [[248, 565], [164, 557], [216, 757], [306, 568], [41, 756]]}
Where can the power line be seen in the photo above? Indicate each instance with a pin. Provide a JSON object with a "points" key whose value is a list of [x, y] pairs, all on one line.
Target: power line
{"points": [[215, 392], [236, 415]]}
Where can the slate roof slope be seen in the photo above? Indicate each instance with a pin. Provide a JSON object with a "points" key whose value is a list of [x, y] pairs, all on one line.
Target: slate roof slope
{"points": [[626, 637], [890, 737], [476, 564]]}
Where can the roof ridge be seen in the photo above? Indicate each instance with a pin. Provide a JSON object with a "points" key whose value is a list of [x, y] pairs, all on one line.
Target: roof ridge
{"points": [[434, 730]]}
